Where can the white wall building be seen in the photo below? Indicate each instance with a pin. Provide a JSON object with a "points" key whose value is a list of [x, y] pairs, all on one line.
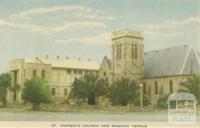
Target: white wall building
{"points": [[58, 73]]}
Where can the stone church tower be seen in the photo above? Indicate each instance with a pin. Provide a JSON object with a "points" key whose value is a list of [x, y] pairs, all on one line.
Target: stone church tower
{"points": [[127, 54]]}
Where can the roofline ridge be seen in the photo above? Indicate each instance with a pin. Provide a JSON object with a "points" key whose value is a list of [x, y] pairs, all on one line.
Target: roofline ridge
{"points": [[185, 60], [198, 59], [71, 59], [178, 46]]}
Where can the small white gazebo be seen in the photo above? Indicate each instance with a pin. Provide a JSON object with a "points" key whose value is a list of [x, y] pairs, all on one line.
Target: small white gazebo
{"points": [[182, 108]]}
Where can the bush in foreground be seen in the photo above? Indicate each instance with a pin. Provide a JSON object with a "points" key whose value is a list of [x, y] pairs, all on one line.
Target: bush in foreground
{"points": [[146, 101], [36, 91], [5, 83], [161, 103]]}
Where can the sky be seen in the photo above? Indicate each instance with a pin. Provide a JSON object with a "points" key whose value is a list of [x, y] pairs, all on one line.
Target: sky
{"points": [[82, 28]]}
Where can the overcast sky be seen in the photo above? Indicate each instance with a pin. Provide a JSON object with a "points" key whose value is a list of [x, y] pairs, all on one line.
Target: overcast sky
{"points": [[82, 28]]}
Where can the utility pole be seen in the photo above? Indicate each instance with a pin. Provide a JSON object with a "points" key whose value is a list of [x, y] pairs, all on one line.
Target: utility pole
{"points": [[141, 96]]}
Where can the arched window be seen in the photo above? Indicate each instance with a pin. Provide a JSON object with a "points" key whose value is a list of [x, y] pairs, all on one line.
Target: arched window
{"points": [[136, 51], [156, 88], [118, 51], [161, 90], [144, 88], [171, 86], [132, 51]]}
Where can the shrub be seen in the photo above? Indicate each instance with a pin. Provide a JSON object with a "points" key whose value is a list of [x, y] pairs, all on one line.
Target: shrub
{"points": [[146, 101], [5, 83], [1, 95], [36, 91], [161, 103]]}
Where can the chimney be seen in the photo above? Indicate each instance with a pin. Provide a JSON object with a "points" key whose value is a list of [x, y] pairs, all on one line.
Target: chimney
{"points": [[46, 57], [79, 59], [67, 58], [58, 57]]}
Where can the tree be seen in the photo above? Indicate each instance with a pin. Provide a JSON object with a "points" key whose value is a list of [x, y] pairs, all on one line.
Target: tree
{"points": [[1, 95], [95, 87], [78, 91], [88, 87], [36, 91], [192, 85], [123, 91], [5, 83]]}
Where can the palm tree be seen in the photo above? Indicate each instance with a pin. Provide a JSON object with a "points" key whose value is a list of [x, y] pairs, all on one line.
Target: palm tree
{"points": [[95, 87], [192, 85], [88, 87], [123, 91], [5, 83]]}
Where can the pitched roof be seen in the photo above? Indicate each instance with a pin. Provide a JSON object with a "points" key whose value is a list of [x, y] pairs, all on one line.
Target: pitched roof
{"points": [[67, 63], [106, 60], [181, 60], [182, 96]]}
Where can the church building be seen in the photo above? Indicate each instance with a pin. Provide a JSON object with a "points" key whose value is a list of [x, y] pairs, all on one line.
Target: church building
{"points": [[160, 72]]}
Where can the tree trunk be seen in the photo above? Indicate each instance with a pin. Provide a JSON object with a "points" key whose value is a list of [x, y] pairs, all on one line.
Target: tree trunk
{"points": [[96, 98], [4, 98], [35, 106], [15, 96], [4, 102], [79, 104], [91, 99], [124, 103]]}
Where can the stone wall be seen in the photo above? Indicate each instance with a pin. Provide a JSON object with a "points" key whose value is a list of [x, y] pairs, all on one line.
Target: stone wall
{"points": [[127, 54], [105, 71], [91, 108], [163, 86]]}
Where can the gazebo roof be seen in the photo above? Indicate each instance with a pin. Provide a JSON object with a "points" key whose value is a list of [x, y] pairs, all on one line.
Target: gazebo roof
{"points": [[182, 96]]}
